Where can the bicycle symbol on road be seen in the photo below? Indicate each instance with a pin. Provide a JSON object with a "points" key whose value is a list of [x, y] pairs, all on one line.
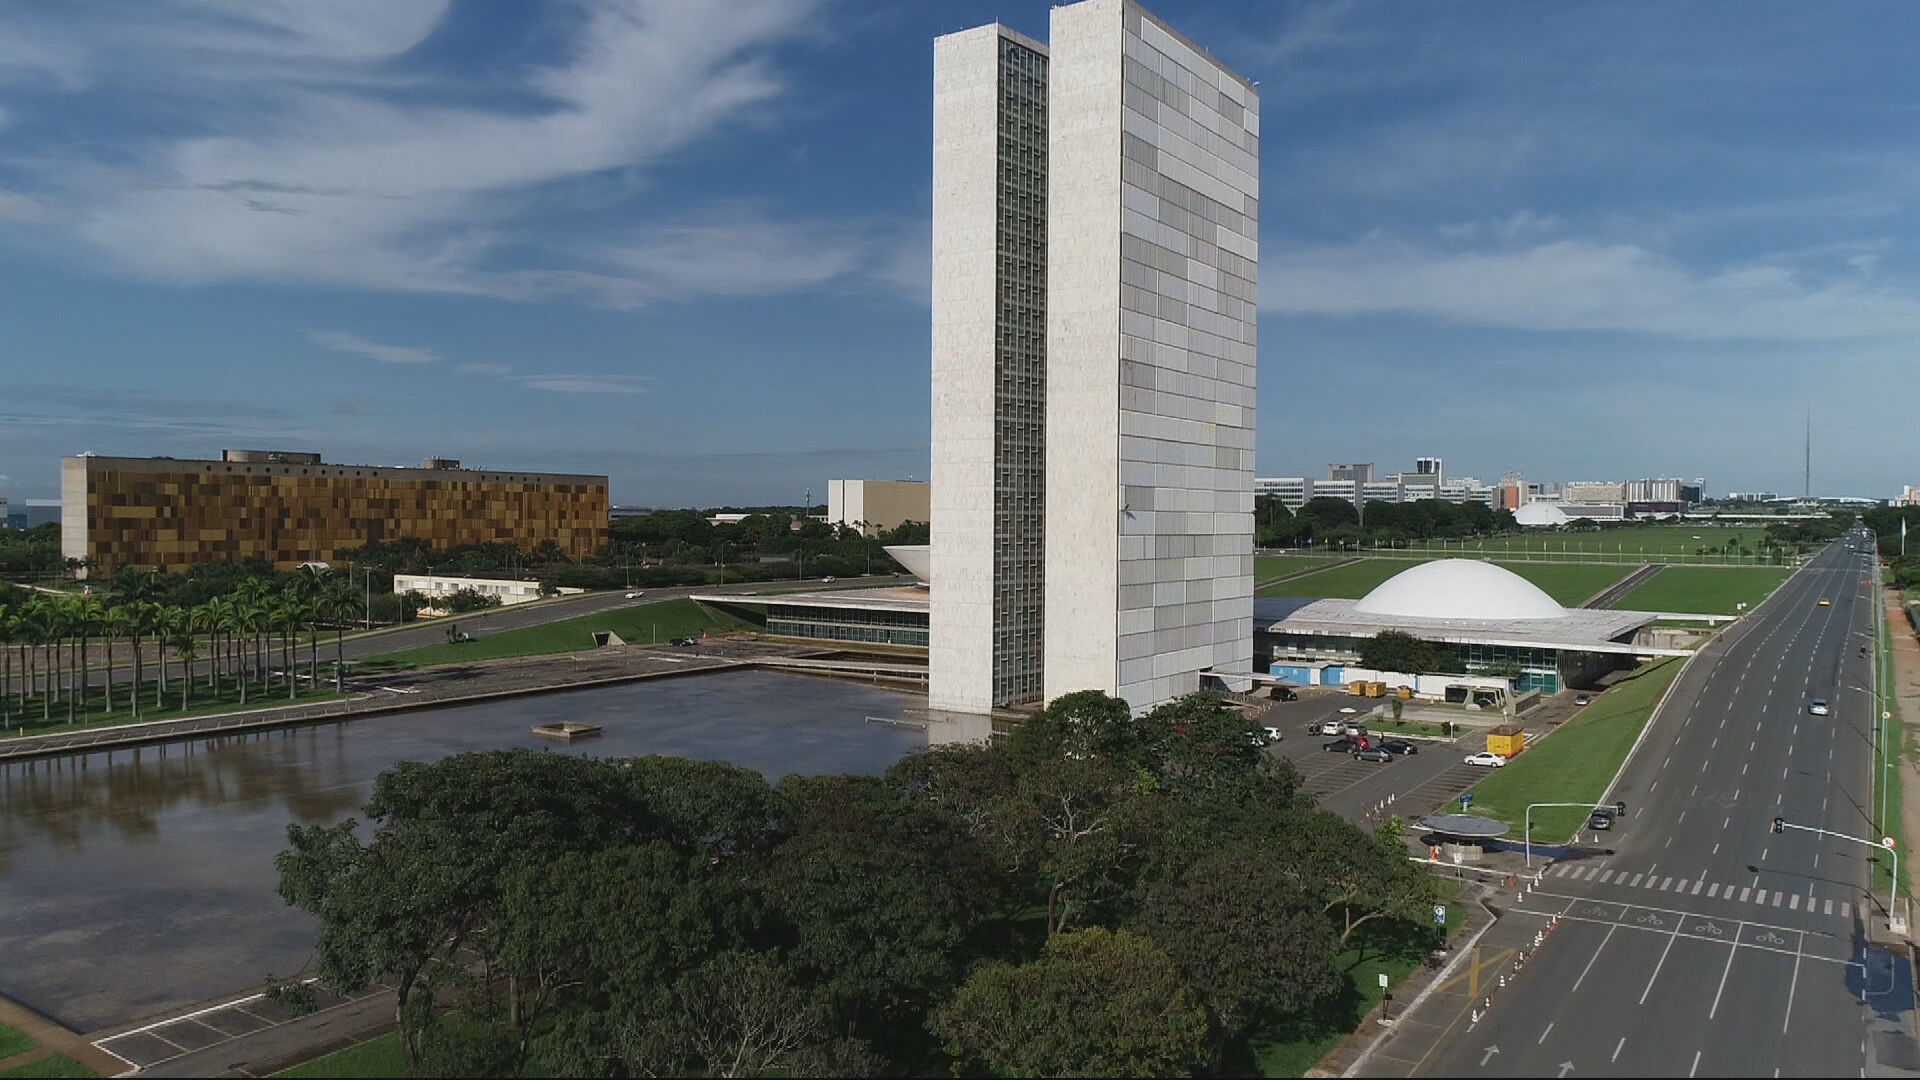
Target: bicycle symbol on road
{"points": [[1710, 928], [1651, 919], [1596, 909], [1771, 938]]}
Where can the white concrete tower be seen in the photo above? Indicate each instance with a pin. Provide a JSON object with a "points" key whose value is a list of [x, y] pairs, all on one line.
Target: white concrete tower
{"points": [[1153, 200], [989, 368]]}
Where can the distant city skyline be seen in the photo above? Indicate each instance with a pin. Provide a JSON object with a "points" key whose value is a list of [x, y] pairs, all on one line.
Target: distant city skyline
{"points": [[687, 245]]}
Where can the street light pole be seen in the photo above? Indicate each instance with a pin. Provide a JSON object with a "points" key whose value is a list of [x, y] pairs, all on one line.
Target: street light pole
{"points": [[1782, 824], [1526, 821]]}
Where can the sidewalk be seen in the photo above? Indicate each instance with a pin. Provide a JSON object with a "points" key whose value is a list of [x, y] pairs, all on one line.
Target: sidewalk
{"points": [[53, 1039], [1906, 706]]}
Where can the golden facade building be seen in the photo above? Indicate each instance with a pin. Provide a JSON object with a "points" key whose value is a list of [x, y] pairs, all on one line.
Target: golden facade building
{"points": [[290, 508]]}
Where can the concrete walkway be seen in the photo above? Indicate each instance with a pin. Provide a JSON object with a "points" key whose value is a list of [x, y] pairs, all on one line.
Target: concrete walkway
{"points": [[52, 1039], [1906, 701]]}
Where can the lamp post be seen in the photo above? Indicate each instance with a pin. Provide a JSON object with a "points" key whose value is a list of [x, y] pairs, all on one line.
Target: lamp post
{"points": [[1781, 825], [1526, 826]]}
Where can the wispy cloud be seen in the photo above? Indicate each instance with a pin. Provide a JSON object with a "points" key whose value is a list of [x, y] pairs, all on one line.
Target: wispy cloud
{"points": [[1583, 285], [584, 384], [322, 179], [342, 341]]}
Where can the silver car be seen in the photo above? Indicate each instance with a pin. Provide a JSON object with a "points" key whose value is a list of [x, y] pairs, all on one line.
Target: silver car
{"points": [[1818, 707]]}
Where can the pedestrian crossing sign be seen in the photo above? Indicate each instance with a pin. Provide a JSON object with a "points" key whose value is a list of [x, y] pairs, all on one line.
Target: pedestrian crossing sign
{"points": [[1439, 914]]}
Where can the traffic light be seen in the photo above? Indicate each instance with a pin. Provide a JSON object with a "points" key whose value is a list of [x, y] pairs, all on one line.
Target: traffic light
{"points": [[1779, 824]]}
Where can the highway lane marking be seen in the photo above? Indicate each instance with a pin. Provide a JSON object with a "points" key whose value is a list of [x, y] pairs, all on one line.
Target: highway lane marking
{"points": [[1743, 768], [1543, 1035], [1681, 818], [1595, 956], [1791, 987], [1616, 1048], [1663, 960], [1731, 953], [1696, 1063]]}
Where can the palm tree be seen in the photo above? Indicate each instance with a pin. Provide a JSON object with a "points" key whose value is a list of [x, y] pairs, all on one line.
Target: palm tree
{"points": [[8, 627], [120, 622], [48, 619], [207, 617], [337, 599], [181, 635], [89, 619], [286, 615]]}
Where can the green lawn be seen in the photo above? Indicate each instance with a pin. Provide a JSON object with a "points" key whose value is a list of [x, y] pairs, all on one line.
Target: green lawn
{"points": [[1893, 742], [1566, 582], [1704, 591], [1576, 762], [13, 1041], [51, 1065], [1272, 566], [642, 624], [379, 1056], [200, 703], [1396, 950], [1647, 543]]}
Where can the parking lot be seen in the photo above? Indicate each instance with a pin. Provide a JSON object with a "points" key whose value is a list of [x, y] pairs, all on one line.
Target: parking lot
{"points": [[1407, 785]]}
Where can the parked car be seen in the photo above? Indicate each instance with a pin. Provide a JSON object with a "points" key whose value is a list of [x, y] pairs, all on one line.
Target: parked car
{"points": [[635, 595], [1341, 746], [1399, 746], [1273, 734], [1818, 707], [1372, 753], [1285, 693], [1330, 727], [1582, 699], [1600, 819], [1348, 710], [1354, 728], [1487, 759], [683, 641]]}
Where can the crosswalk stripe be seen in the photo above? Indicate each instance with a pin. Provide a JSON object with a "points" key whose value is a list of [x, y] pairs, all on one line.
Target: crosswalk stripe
{"points": [[1635, 881], [1561, 871], [1759, 895], [1664, 883], [1713, 890], [1744, 890], [1776, 898], [1846, 908], [1696, 886], [1829, 908], [1606, 875], [1581, 873], [1794, 905]]}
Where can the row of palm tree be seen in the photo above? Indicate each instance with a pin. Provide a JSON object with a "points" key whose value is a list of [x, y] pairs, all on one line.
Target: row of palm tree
{"points": [[46, 642]]}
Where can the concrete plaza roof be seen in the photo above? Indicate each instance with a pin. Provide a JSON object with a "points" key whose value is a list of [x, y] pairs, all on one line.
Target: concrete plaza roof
{"points": [[892, 598]]}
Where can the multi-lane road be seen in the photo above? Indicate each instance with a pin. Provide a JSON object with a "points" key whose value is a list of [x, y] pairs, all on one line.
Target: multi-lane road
{"points": [[1694, 940]]}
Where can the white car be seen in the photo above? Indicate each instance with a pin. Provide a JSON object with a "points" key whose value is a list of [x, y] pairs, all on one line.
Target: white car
{"points": [[1817, 707], [1348, 710], [1332, 727], [1486, 758], [826, 580], [1273, 734], [635, 595]]}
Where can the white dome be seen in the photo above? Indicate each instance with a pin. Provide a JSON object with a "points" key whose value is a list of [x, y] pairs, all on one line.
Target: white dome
{"points": [[1540, 514], [1459, 589], [917, 558]]}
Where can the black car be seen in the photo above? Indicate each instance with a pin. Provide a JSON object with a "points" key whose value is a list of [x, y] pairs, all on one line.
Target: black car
{"points": [[1600, 819], [1399, 746], [1285, 694], [1372, 753], [1341, 746], [683, 641]]}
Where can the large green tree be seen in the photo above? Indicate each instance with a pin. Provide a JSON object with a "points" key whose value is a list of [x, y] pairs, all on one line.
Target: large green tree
{"points": [[1095, 1003]]}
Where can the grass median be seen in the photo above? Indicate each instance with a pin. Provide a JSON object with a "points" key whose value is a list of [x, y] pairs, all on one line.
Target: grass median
{"points": [[1576, 763], [642, 624], [51, 1065], [1703, 590], [1272, 566], [199, 704]]}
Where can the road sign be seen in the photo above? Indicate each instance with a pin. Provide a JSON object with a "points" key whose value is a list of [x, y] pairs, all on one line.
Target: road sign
{"points": [[1383, 980], [1439, 914], [1465, 798], [1886, 841]]}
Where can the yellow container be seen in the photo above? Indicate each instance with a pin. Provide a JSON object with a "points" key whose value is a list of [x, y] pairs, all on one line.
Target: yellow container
{"points": [[1507, 740], [1357, 689], [1404, 693], [1376, 689]]}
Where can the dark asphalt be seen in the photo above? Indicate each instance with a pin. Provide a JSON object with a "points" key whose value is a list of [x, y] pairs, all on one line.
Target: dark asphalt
{"points": [[1695, 941]]}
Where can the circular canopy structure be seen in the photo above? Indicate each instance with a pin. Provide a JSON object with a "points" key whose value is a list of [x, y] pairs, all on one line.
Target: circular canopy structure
{"points": [[1540, 514], [1458, 589], [1465, 826]]}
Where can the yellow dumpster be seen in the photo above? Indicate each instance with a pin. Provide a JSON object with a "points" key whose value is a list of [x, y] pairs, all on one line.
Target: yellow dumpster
{"points": [[1357, 688], [1376, 689], [1404, 693], [1507, 740]]}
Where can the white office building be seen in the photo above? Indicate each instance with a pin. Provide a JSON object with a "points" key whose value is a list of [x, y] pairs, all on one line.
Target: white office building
{"points": [[1095, 211]]}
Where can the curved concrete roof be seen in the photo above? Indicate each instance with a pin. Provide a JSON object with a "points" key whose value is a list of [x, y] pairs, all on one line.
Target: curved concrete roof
{"points": [[1459, 589], [1540, 514], [917, 558]]}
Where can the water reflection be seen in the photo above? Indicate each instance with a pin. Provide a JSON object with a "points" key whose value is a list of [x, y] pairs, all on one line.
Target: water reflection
{"points": [[138, 881]]}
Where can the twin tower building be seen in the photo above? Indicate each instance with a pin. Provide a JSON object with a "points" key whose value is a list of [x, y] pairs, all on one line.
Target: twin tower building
{"points": [[1095, 212]]}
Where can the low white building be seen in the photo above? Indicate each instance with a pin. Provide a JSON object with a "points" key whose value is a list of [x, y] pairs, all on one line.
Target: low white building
{"points": [[509, 591]]}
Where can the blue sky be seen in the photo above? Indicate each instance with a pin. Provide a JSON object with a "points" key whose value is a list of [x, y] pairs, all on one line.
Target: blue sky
{"points": [[685, 243]]}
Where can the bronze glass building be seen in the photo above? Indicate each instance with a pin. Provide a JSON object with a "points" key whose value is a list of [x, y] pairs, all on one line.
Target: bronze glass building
{"points": [[290, 508]]}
